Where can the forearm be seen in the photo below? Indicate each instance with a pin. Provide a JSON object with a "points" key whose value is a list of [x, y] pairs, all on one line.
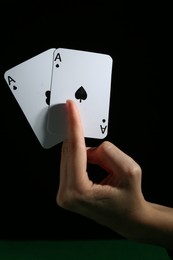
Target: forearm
{"points": [[154, 226]]}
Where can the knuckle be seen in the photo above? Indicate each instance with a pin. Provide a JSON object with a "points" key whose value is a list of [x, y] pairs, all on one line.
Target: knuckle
{"points": [[70, 199], [64, 200], [66, 147], [69, 147], [106, 145], [134, 170]]}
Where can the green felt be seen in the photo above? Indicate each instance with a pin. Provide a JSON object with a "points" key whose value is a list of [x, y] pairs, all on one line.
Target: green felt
{"points": [[84, 249]]}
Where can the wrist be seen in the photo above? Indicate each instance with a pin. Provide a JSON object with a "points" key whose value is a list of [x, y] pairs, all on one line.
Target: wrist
{"points": [[153, 224]]}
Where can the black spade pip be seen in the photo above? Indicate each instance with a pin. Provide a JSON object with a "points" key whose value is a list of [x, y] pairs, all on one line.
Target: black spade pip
{"points": [[81, 94]]}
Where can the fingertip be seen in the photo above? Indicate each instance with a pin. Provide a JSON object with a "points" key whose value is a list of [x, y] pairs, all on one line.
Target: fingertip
{"points": [[91, 154], [71, 105], [72, 108], [68, 102]]}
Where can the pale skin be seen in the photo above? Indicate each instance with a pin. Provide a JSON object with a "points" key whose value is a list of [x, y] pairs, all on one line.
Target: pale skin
{"points": [[117, 202]]}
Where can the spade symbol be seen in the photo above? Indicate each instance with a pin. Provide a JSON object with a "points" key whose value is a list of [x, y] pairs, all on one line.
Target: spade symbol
{"points": [[47, 93], [81, 94]]}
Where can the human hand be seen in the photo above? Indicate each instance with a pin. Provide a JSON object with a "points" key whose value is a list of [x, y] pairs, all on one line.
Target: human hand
{"points": [[117, 202]]}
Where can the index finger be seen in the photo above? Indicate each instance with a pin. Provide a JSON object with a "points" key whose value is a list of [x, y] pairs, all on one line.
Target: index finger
{"points": [[73, 155], [75, 129]]}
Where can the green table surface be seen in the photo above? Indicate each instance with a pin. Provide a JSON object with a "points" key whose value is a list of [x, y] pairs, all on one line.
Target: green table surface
{"points": [[79, 249]]}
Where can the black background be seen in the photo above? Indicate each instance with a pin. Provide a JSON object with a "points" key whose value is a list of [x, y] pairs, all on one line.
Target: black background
{"points": [[138, 37]]}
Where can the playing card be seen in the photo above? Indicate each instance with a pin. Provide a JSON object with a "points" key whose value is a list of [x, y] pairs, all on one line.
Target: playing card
{"points": [[30, 84], [84, 77]]}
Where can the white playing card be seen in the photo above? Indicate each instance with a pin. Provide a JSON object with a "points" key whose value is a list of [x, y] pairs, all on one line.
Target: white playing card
{"points": [[30, 84], [84, 77]]}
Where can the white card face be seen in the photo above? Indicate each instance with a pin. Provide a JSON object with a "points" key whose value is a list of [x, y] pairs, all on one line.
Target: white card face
{"points": [[30, 84], [84, 77]]}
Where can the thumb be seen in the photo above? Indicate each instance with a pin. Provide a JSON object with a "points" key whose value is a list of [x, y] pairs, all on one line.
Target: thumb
{"points": [[112, 159]]}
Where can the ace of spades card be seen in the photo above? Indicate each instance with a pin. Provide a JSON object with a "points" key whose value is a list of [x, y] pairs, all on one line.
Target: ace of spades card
{"points": [[84, 77]]}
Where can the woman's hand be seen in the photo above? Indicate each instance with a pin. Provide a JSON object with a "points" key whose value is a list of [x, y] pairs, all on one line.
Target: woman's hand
{"points": [[117, 202]]}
